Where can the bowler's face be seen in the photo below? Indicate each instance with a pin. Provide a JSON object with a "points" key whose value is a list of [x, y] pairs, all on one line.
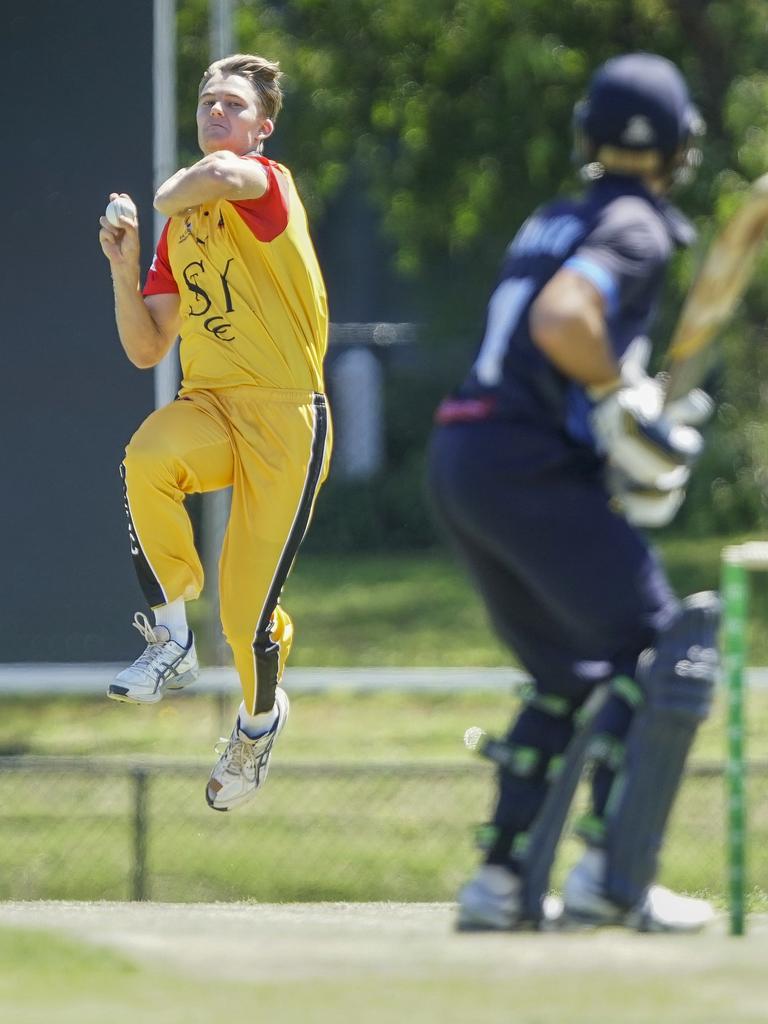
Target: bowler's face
{"points": [[228, 116]]}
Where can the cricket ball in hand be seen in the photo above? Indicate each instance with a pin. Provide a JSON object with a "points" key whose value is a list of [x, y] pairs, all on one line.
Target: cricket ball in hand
{"points": [[120, 207]]}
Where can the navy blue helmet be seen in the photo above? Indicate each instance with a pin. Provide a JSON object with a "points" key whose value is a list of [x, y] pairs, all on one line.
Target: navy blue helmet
{"points": [[637, 117]]}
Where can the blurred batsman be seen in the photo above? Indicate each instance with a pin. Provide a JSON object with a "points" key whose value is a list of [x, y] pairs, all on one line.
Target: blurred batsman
{"points": [[543, 467], [236, 276]]}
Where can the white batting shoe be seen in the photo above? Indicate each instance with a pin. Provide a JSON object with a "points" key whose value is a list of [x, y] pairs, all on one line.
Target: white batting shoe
{"points": [[660, 910], [491, 902], [164, 665], [244, 763]]}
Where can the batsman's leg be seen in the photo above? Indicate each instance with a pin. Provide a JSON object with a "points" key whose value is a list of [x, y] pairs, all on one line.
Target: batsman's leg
{"points": [[502, 895], [577, 602], [613, 883], [544, 836]]}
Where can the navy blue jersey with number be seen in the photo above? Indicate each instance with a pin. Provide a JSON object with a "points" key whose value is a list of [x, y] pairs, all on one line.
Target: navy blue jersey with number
{"points": [[620, 237]]}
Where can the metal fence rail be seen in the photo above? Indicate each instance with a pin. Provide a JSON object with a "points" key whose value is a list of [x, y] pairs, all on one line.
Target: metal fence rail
{"points": [[90, 679], [119, 828]]}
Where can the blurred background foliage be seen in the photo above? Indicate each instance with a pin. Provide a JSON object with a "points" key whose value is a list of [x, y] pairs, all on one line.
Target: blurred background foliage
{"points": [[450, 120]]}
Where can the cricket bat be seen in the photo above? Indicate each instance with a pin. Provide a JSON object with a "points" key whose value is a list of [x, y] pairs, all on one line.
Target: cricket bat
{"points": [[717, 288]]}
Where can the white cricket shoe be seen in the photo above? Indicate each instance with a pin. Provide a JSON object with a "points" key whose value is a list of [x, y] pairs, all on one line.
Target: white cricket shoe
{"points": [[660, 910], [164, 665], [491, 901], [244, 763]]}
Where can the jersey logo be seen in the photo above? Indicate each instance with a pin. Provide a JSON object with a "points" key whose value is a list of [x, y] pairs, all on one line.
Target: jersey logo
{"points": [[201, 302], [639, 131]]}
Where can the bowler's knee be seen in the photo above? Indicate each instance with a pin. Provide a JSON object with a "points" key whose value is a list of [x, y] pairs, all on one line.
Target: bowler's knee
{"points": [[146, 456]]}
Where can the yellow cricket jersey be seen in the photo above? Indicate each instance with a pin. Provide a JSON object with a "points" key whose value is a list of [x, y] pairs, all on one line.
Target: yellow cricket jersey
{"points": [[252, 299]]}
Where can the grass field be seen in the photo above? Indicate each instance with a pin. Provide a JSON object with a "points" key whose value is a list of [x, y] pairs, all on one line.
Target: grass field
{"points": [[418, 609], [341, 818], [326, 727], [341, 821], [374, 964]]}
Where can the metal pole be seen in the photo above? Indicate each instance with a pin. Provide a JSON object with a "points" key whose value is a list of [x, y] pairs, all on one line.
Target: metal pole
{"points": [[358, 406], [165, 156], [216, 506], [140, 880], [220, 33], [735, 593]]}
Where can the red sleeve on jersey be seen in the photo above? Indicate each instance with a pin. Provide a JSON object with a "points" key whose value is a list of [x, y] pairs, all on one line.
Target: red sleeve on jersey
{"points": [[267, 216], [160, 279]]}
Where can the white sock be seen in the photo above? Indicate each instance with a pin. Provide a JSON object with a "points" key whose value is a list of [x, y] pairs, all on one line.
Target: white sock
{"points": [[174, 617], [256, 725]]}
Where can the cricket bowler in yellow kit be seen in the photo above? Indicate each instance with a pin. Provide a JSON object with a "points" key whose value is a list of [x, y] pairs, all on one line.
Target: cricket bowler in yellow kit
{"points": [[236, 277]]}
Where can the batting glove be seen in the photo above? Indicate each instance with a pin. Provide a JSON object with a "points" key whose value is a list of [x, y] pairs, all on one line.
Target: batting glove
{"points": [[692, 409], [649, 507], [638, 438]]}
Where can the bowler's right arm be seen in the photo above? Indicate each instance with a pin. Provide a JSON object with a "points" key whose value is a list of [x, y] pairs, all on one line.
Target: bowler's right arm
{"points": [[147, 325]]}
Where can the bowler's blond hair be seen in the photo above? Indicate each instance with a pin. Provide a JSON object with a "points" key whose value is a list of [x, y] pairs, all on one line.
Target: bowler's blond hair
{"points": [[264, 75]]}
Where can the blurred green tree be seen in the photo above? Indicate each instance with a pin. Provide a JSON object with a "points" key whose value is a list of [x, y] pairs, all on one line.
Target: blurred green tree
{"points": [[454, 116]]}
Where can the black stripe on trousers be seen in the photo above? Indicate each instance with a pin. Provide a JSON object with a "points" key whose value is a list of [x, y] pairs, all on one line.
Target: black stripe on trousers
{"points": [[148, 582], [265, 650]]}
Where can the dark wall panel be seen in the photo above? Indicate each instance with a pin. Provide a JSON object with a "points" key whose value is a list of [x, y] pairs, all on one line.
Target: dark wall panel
{"points": [[78, 125]]}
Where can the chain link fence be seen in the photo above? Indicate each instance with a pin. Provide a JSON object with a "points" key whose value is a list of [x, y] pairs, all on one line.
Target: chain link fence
{"points": [[119, 829]]}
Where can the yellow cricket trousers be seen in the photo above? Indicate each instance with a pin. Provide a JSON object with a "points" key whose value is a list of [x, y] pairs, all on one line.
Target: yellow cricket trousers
{"points": [[273, 447]]}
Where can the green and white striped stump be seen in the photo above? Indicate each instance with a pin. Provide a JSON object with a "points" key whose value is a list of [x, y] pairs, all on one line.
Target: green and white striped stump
{"points": [[737, 562]]}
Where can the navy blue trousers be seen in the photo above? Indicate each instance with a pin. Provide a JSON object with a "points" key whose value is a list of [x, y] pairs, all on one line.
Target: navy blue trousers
{"points": [[569, 585]]}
